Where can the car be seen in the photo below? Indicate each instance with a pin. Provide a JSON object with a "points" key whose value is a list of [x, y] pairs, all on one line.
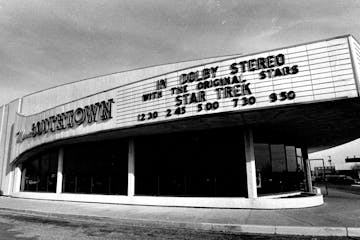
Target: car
{"points": [[340, 179]]}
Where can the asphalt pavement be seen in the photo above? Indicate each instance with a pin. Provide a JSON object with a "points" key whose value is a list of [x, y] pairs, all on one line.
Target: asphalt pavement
{"points": [[21, 226], [339, 216]]}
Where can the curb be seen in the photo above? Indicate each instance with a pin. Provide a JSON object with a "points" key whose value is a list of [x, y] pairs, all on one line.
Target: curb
{"points": [[215, 227], [284, 230]]}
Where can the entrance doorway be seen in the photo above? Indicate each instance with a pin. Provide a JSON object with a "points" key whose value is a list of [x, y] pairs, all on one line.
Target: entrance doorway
{"points": [[204, 164]]}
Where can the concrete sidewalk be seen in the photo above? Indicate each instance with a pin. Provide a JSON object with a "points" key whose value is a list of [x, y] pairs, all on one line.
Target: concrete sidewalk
{"points": [[339, 216]]}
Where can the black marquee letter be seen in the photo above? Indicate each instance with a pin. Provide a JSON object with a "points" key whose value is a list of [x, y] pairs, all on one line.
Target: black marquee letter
{"points": [[106, 109], [92, 112], [79, 116]]}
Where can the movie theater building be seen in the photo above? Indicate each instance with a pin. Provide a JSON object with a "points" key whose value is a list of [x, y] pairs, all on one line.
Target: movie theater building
{"points": [[226, 132]]}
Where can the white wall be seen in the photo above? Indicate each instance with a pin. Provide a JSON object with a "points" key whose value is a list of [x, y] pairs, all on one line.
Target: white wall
{"points": [[8, 141], [3, 120]]}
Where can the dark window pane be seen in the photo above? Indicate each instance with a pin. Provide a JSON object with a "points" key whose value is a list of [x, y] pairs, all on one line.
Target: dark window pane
{"points": [[39, 172], [262, 157], [277, 169], [291, 158], [278, 161], [299, 161], [96, 167], [198, 163]]}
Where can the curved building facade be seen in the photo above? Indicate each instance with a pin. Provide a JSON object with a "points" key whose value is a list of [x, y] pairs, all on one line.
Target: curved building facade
{"points": [[228, 132]]}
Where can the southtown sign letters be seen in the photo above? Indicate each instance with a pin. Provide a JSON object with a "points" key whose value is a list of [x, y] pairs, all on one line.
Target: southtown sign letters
{"points": [[96, 112]]}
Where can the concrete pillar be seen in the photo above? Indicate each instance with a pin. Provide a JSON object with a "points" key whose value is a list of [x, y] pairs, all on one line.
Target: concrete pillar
{"points": [[307, 169], [59, 180], [17, 179], [250, 163], [131, 169], [3, 134], [23, 175], [15, 174]]}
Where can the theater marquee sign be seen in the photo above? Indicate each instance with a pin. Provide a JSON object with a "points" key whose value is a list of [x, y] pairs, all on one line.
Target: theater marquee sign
{"points": [[313, 72], [194, 87], [320, 71]]}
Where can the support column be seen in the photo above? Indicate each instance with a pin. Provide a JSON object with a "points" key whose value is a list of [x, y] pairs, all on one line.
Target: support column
{"points": [[59, 180], [17, 179], [131, 168], [250, 163], [23, 175], [307, 169]]}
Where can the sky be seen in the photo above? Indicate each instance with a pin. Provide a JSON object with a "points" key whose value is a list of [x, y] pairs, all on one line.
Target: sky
{"points": [[48, 43]]}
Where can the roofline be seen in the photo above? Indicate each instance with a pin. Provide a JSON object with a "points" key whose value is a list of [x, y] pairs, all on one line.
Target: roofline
{"points": [[108, 74], [130, 70]]}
